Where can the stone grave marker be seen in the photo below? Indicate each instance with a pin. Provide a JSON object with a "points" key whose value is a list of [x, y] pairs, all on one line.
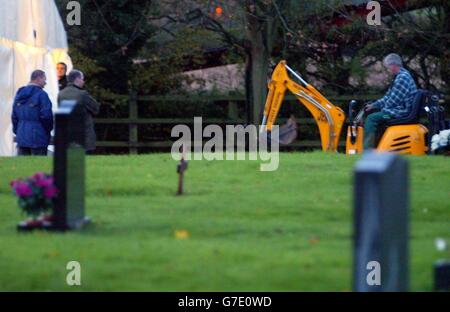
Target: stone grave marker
{"points": [[381, 212], [69, 167]]}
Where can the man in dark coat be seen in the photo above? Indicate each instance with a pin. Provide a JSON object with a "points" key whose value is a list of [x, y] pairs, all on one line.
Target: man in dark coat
{"points": [[32, 116], [75, 91], [61, 71]]}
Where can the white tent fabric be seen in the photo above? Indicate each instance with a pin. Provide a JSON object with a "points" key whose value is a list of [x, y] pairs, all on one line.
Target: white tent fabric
{"points": [[32, 36]]}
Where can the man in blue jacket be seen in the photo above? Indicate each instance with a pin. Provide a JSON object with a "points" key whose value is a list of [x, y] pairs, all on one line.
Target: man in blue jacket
{"points": [[32, 116]]}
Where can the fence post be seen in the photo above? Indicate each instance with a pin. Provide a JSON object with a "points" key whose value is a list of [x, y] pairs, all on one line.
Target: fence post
{"points": [[233, 112], [133, 127]]}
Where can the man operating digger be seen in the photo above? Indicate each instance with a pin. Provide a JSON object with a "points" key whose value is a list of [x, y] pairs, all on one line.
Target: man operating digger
{"points": [[397, 102]]}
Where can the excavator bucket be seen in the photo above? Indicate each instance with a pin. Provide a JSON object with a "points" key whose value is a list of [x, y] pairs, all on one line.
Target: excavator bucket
{"points": [[287, 132]]}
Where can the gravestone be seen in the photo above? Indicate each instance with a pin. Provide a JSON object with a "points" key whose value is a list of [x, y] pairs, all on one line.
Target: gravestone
{"points": [[442, 275], [381, 205], [69, 167]]}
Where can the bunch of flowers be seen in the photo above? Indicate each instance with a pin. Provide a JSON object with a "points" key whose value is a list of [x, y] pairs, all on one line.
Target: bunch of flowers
{"points": [[441, 141], [35, 194]]}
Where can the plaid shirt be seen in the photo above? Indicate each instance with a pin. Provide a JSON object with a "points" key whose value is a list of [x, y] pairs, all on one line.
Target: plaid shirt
{"points": [[398, 101]]}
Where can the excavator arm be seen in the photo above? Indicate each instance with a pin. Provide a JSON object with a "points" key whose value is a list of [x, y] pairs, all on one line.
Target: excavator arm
{"points": [[328, 117]]}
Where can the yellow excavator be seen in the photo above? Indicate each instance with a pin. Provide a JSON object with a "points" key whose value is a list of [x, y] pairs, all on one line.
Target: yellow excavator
{"points": [[403, 135]]}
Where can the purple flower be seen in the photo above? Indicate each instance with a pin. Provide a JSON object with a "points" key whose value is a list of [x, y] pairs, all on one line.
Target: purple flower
{"points": [[35, 193], [22, 189], [45, 182], [50, 192], [13, 184], [39, 176]]}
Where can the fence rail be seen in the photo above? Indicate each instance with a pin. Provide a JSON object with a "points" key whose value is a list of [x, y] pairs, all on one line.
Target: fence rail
{"points": [[133, 121], [167, 144]]}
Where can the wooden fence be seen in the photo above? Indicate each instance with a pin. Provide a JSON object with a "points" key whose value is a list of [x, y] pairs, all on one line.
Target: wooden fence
{"points": [[233, 102]]}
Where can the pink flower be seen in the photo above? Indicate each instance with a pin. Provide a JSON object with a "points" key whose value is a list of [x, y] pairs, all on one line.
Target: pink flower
{"points": [[45, 182], [23, 189], [39, 176], [13, 184], [50, 192]]}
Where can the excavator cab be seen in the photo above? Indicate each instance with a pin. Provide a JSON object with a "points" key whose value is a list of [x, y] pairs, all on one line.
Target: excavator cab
{"points": [[401, 135], [404, 135]]}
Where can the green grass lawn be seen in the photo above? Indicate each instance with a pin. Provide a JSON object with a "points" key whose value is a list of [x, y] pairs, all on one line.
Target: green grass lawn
{"points": [[245, 230]]}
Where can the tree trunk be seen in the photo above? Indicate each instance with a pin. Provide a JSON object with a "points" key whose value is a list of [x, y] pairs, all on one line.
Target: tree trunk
{"points": [[260, 33], [260, 63], [445, 58]]}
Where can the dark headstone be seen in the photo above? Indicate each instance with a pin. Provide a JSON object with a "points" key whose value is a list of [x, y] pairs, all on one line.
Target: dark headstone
{"points": [[442, 275], [381, 205], [69, 166]]}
